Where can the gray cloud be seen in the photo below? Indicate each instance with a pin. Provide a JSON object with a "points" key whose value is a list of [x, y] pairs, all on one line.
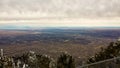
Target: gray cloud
{"points": [[66, 8]]}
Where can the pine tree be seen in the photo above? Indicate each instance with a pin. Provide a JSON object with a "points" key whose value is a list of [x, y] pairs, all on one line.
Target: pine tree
{"points": [[113, 50], [43, 61], [65, 61]]}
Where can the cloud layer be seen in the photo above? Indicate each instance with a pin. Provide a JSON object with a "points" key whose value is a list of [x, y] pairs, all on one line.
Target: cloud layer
{"points": [[71, 13], [59, 8]]}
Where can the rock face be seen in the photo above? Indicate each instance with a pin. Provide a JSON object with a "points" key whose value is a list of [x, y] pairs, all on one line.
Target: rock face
{"points": [[67, 8]]}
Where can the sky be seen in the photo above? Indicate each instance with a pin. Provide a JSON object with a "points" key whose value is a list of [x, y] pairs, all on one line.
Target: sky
{"points": [[59, 13]]}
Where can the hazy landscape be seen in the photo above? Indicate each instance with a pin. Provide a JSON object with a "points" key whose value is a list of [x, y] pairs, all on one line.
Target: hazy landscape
{"points": [[78, 42], [59, 33]]}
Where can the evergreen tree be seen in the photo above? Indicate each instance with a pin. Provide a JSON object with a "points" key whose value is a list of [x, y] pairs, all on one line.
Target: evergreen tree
{"points": [[43, 61], [113, 50], [65, 61]]}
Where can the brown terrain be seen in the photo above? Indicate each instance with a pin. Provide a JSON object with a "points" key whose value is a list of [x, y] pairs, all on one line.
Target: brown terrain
{"points": [[80, 43]]}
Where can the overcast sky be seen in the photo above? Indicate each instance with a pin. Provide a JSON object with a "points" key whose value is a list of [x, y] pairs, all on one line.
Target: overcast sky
{"points": [[49, 13]]}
